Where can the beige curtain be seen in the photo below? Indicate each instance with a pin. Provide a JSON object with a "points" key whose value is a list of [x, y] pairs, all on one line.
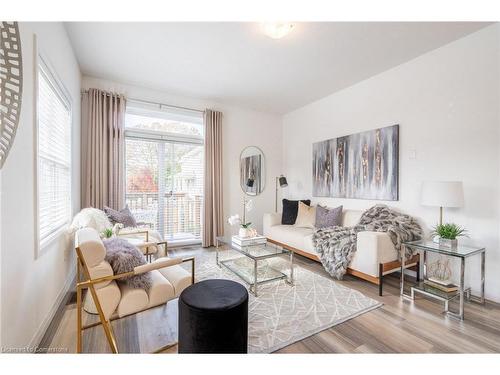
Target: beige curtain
{"points": [[102, 145], [213, 223]]}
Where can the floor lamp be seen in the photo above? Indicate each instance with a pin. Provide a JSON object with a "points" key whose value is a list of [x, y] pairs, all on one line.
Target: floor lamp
{"points": [[281, 182]]}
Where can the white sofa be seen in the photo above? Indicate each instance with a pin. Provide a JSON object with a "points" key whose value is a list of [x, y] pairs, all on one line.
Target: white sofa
{"points": [[375, 255]]}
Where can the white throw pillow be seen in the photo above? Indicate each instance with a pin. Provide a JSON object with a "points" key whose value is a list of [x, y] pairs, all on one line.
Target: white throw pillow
{"points": [[90, 218], [306, 216]]}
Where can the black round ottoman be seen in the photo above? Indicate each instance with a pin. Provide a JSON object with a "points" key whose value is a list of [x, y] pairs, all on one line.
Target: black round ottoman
{"points": [[213, 318]]}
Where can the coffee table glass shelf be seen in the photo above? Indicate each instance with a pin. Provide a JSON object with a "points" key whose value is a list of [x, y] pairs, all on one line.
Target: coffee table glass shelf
{"points": [[462, 252], [252, 267]]}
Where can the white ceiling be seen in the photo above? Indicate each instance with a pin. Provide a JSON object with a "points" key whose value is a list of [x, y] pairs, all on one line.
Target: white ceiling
{"points": [[236, 63]]}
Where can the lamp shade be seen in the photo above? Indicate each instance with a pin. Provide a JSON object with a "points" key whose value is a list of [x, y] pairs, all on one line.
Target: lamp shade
{"points": [[283, 182], [442, 194]]}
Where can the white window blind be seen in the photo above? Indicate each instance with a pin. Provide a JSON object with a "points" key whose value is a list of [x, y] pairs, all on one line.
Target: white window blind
{"points": [[54, 155], [164, 171]]}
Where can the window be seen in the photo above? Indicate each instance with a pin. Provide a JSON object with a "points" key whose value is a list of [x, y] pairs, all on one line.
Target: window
{"points": [[164, 170], [53, 155]]}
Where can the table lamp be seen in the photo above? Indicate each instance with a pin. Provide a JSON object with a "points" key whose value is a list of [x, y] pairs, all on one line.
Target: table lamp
{"points": [[442, 194]]}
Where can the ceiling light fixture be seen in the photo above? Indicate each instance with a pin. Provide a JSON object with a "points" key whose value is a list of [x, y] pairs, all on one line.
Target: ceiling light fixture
{"points": [[277, 30]]}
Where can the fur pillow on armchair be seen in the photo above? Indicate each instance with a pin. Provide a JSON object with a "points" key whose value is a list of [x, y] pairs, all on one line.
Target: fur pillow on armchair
{"points": [[90, 218]]}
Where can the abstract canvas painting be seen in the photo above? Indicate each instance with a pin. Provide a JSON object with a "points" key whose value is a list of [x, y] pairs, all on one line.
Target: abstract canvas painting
{"points": [[363, 165]]}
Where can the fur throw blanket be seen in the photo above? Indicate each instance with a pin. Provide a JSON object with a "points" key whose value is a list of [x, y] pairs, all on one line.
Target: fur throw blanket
{"points": [[336, 245], [123, 257]]}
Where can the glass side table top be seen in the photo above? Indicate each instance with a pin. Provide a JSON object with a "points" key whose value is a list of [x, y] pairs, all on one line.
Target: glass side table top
{"points": [[461, 251], [259, 251]]}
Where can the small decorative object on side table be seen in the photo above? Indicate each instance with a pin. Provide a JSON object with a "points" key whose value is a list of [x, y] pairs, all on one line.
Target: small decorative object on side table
{"points": [[460, 252]]}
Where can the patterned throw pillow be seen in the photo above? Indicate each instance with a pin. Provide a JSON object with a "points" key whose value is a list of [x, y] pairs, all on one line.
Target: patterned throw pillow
{"points": [[328, 217], [124, 216], [290, 210]]}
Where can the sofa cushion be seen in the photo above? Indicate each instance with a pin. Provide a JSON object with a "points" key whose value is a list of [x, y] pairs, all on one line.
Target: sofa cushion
{"points": [[306, 216], [177, 276], [328, 217], [91, 246], [133, 300], [290, 235], [161, 290], [101, 270], [290, 210], [109, 298]]}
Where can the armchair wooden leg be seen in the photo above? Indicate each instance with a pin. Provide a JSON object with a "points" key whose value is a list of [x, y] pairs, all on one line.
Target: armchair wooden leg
{"points": [[79, 328], [112, 344], [79, 319], [380, 278], [105, 323]]}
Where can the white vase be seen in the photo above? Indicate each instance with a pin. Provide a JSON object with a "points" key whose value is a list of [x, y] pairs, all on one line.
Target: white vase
{"points": [[243, 233], [451, 244]]}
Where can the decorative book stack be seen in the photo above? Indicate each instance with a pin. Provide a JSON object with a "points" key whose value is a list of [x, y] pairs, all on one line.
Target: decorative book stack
{"points": [[240, 242], [444, 285]]}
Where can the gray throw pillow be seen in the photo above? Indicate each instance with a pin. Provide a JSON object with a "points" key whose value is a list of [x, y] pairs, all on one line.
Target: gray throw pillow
{"points": [[124, 257], [328, 217], [124, 216]]}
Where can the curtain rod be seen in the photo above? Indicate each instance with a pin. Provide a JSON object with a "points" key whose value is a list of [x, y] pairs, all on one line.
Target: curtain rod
{"points": [[154, 103], [165, 105]]}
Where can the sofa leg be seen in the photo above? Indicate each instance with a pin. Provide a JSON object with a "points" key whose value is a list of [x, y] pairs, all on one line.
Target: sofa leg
{"points": [[418, 272], [380, 278]]}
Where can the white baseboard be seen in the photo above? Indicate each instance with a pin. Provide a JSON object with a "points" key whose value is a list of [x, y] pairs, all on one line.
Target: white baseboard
{"points": [[40, 332]]}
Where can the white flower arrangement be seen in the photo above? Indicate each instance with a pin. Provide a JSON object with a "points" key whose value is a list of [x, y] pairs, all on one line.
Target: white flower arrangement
{"points": [[234, 220], [245, 230]]}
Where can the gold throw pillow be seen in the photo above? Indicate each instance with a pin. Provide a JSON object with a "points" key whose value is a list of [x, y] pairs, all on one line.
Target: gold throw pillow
{"points": [[306, 216]]}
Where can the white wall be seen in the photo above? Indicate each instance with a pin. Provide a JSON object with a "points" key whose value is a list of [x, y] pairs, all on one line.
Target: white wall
{"points": [[31, 288], [447, 105], [241, 128]]}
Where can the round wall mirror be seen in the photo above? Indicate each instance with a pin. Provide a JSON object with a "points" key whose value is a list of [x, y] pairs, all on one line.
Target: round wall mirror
{"points": [[252, 170]]}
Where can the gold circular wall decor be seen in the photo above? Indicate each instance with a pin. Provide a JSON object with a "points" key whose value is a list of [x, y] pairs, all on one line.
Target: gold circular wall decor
{"points": [[11, 85]]}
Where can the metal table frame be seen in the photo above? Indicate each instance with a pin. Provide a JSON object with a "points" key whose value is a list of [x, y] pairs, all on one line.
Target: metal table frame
{"points": [[253, 286], [462, 289]]}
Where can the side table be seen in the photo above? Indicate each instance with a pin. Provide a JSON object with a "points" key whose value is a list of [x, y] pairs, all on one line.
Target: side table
{"points": [[461, 252]]}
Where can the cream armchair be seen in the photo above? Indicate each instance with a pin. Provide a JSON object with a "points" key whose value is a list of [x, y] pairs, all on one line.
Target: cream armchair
{"points": [[113, 300]]}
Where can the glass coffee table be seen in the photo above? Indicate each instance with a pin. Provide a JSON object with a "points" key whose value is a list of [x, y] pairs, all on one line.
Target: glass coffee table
{"points": [[250, 266]]}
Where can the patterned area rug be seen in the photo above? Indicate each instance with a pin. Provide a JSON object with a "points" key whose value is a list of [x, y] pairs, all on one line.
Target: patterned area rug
{"points": [[283, 314]]}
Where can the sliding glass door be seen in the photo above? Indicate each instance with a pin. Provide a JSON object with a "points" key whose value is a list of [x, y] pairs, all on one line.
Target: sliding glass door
{"points": [[164, 172]]}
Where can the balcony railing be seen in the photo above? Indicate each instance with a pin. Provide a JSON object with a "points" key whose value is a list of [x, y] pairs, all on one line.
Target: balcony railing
{"points": [[176, 216]]}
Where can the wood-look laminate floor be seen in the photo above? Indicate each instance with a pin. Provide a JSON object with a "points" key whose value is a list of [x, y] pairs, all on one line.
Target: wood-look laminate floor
{"points": [[399, 326]]}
